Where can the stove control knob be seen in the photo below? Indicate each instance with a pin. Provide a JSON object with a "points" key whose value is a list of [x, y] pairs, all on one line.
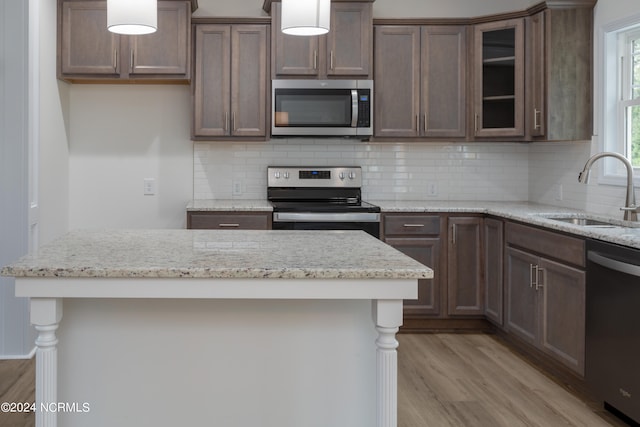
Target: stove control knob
{"points": [[277, 175], [341, 175], [286, 175], [352, 175]]}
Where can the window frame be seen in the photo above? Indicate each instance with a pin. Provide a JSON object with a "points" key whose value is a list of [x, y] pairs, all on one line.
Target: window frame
{"points": [[614, 83]]}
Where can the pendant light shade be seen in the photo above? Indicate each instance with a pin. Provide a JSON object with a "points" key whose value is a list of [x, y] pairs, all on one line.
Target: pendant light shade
{"points": [[306, 17], [132, 16]]}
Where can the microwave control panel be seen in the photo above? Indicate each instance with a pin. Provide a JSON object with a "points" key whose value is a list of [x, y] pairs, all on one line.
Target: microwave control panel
{"points": [[364, 107]]}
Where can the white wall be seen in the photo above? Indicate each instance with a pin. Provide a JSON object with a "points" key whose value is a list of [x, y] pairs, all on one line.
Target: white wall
{"points": [[120, 135], [52, 191], [14, 321]]}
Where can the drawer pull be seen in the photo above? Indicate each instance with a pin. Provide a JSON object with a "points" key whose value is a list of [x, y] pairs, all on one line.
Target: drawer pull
{"points": [[228, 225], [414, 225]]}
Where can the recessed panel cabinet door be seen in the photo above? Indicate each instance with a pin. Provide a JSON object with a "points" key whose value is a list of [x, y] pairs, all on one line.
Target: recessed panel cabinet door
{"points": [[493, 267], [397, 81], [212, 98], [444, 79], [563, 313], [465, 279], [427, 252], [87, 47], [249, 80], [166, 50], [294, 55], [521, 317], [349, 41]]}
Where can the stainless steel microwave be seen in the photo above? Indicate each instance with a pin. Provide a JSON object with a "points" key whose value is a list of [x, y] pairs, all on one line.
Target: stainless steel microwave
{"points": [[322, 108]]}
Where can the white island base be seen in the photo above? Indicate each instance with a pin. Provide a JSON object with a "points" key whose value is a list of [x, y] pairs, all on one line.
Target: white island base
{"points": [[217, 362]]}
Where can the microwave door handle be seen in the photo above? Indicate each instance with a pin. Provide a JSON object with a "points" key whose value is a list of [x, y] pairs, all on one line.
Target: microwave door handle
{"points": [[354, 108]]}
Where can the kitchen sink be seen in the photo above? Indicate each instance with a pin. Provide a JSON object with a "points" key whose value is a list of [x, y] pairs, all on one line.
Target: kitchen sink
{"points": [[585, 221]]}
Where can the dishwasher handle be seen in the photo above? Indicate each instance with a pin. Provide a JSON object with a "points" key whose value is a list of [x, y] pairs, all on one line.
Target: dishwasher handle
{"points": [[613, 264]]}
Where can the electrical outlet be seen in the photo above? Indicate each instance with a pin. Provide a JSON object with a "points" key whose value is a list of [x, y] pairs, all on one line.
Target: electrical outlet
{"points": [[149, 187], [432, 189], [237, 187]]}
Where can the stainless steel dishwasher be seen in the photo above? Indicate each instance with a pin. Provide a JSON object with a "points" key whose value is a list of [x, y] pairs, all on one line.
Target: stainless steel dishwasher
{"points": [[613, 326]]}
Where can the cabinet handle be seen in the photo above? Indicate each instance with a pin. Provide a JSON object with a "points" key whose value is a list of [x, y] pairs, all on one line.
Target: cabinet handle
{"points": [[115, 60], [425, 123], [228, 225], [226, 121], [414, 225], [315, 59], [536, 123], [539, 274], [417, 123], [535, 274], [131, 61], [331, 59], [453, 234], [233, 121], [475, 123], [532, 273]]}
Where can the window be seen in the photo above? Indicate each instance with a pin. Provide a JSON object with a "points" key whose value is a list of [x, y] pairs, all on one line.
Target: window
{"points": [[620, 85], [629, 105]]}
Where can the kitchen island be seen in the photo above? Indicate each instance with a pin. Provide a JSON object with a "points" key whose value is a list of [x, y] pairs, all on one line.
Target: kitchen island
{"points": [[228, 328]]}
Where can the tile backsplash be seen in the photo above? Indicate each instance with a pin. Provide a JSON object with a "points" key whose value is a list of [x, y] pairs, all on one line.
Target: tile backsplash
{"points": [[391, 171]]}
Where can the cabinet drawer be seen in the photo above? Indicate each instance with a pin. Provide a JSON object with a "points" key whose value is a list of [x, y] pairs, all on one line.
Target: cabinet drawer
{"points": [[219, 221], [546, 243], [411, 225]]}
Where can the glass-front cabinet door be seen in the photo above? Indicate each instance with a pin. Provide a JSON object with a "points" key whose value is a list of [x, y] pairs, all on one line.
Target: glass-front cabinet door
{"points": [[499, 107]]}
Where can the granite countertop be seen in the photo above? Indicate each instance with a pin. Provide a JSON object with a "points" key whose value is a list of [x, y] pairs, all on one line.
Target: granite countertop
{"points": [[230, 205], [255, 254], [530, 213]]}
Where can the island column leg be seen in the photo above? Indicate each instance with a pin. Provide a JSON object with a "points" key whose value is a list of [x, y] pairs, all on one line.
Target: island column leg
{"points": [[46, 314], [387, 316]]}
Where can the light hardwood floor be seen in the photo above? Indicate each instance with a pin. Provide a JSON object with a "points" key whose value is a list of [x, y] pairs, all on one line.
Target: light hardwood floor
{"points": [[474, 380], [444, 380]]}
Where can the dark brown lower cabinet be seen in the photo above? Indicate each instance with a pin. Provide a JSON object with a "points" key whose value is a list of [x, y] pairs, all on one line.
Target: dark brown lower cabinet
{"points": [[427, 251], [493, 268], [545, 292], [419, 236], [465, 276], [452, 247]]}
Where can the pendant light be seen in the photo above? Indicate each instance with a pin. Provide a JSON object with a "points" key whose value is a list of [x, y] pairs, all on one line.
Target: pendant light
{"points": [[306, 17], [132, 16]]}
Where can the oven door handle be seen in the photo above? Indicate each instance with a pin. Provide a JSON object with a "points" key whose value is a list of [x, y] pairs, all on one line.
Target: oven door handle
{"points": [[354, 108], [326, 217]]}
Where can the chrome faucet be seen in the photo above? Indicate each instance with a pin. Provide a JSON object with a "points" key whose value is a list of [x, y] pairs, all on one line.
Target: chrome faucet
{"points": [[631, 209]]}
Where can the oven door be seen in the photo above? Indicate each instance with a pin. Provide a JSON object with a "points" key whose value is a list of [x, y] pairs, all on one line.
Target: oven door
{"points": [[366, 221]]}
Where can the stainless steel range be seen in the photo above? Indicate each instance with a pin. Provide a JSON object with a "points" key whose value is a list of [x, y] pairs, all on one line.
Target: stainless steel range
{"points": [[320, 198]]}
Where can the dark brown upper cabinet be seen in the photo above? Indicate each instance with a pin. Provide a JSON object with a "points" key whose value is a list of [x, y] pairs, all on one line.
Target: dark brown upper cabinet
{"points": [[560, 60], [89, 53], [420, 81], [230, 81], [346, 51]]}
